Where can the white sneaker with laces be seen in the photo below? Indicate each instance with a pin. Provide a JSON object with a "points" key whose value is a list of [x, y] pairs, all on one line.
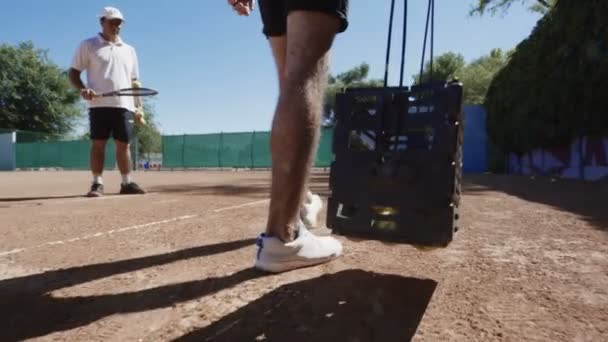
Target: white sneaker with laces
{"points": [[311, 210], [306, 250]]}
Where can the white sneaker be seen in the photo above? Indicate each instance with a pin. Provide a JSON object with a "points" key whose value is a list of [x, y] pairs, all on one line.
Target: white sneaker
{"points": [[306, 250], [311, 210]]}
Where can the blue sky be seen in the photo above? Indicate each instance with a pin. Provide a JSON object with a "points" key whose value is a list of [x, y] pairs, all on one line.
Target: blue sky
{"points": [[214, 70]]}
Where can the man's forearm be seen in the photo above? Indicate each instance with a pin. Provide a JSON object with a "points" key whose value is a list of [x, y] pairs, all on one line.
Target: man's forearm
{"points": [[75, 79]]}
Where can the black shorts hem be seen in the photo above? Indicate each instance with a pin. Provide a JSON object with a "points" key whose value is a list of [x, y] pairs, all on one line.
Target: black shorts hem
{"points": [[274, 13]]}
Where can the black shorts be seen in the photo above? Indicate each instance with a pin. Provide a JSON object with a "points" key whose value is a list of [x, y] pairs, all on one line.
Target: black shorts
{"points": [[274, 13], [108, 120]]}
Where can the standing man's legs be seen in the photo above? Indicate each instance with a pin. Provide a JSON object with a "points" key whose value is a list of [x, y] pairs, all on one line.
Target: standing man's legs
{"points": [[295, 130], [119, 123]]}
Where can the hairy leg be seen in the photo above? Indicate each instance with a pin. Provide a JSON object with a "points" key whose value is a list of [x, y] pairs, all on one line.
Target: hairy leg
{"points": [[295, 128]]}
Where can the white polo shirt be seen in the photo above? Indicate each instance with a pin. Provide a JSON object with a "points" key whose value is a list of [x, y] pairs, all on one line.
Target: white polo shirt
{"points": [[109, 66]]}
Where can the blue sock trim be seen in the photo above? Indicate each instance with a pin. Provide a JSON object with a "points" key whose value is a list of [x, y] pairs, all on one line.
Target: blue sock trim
{"points": [[260, 243]]}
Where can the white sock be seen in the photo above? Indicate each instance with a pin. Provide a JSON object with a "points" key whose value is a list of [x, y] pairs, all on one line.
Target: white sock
{"points": [[126, 179], [97, 179], [308, 197]]}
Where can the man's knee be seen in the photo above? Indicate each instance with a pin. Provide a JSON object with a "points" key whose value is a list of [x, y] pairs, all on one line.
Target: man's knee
{"points": [[294, 96], [98, 146], [303, 84], [122, 146]]}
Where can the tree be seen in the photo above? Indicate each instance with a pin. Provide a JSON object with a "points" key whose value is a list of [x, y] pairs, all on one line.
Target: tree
{"points": [[148, 136], [35, 94], [353, 78], [494, 6], [478, 75], [475, 76], [445, 66]]}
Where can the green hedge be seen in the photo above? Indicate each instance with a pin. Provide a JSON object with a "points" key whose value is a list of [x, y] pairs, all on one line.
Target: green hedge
{"points": [[555, 86]]}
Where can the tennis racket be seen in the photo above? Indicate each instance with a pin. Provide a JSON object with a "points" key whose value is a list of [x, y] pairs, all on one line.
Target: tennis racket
{"points": [[129, 92]]}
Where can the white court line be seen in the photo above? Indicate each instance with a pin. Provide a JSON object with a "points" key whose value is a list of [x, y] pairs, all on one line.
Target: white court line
{"points": [[169, 201], [106, 233], [120, 230], [27, 204], [240, 206], [102, 198], [48, 201]]}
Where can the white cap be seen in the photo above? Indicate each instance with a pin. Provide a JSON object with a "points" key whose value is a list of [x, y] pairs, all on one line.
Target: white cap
{"points": [[111, 13]]}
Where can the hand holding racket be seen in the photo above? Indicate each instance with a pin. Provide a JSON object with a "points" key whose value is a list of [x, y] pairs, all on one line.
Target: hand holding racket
{"points": [[88, 94]]}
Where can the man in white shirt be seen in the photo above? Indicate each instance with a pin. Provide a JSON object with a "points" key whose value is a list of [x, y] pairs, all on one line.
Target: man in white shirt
{"points": [[110, 64], [300, 35]]}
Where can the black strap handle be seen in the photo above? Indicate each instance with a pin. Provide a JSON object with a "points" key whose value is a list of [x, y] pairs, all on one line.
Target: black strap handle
{"points": [[430, 18], [403, 43], [388, 44], [430, 14]]}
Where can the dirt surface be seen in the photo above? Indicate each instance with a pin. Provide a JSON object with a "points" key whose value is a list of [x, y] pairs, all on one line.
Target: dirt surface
{"points": [[530, 263]]}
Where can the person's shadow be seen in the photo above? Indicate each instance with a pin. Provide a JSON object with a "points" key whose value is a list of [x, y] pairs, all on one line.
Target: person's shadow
{"points": [[28, 309], [349, 306]]}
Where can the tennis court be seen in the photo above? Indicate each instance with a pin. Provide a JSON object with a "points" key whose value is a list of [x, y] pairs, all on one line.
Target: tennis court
{"points": [[529, 263]]}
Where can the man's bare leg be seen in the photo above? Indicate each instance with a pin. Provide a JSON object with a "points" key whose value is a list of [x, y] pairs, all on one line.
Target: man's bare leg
{"points": [[309, 211], [123, 157], [279, 52], [97, 157], [98, 152], [296, 123]]}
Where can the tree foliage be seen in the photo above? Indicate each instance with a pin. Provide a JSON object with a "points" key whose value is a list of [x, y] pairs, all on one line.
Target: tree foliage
{"points": [[148, 136], [552, 90], [35, 94], [494, 6], [476, 76], [445, 66]]}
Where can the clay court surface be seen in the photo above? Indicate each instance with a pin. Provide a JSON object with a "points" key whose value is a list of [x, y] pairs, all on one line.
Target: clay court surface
{"points": [[530, 263]]}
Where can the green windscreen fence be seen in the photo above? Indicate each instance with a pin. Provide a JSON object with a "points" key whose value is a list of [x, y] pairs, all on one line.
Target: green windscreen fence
{"points": [[261, 149], [61, 154], [236, 150], [35, 150], [200, 151], [221, 150], [324, 153]]}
